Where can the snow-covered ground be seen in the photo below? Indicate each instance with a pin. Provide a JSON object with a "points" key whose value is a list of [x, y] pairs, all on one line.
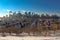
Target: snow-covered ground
{"points": [[25, 36], [29, 38]]}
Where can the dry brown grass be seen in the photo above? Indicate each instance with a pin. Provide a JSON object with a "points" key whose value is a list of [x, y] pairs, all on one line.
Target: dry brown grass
{"points": [[41, 29]]}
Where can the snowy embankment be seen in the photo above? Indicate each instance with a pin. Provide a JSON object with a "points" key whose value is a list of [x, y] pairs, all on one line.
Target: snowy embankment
{"points": [[28, 38], [25, 36]]}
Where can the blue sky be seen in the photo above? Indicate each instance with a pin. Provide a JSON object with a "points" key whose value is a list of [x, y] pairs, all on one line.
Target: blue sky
{"points": [[50, 6]]}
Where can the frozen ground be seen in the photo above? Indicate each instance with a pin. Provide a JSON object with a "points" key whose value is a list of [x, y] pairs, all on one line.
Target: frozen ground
{"points": [[29, 38]]}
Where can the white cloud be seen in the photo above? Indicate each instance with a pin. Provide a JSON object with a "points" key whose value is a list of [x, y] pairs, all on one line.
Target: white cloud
{"points": [[1, 15], [4, 13], [23, 11]]}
